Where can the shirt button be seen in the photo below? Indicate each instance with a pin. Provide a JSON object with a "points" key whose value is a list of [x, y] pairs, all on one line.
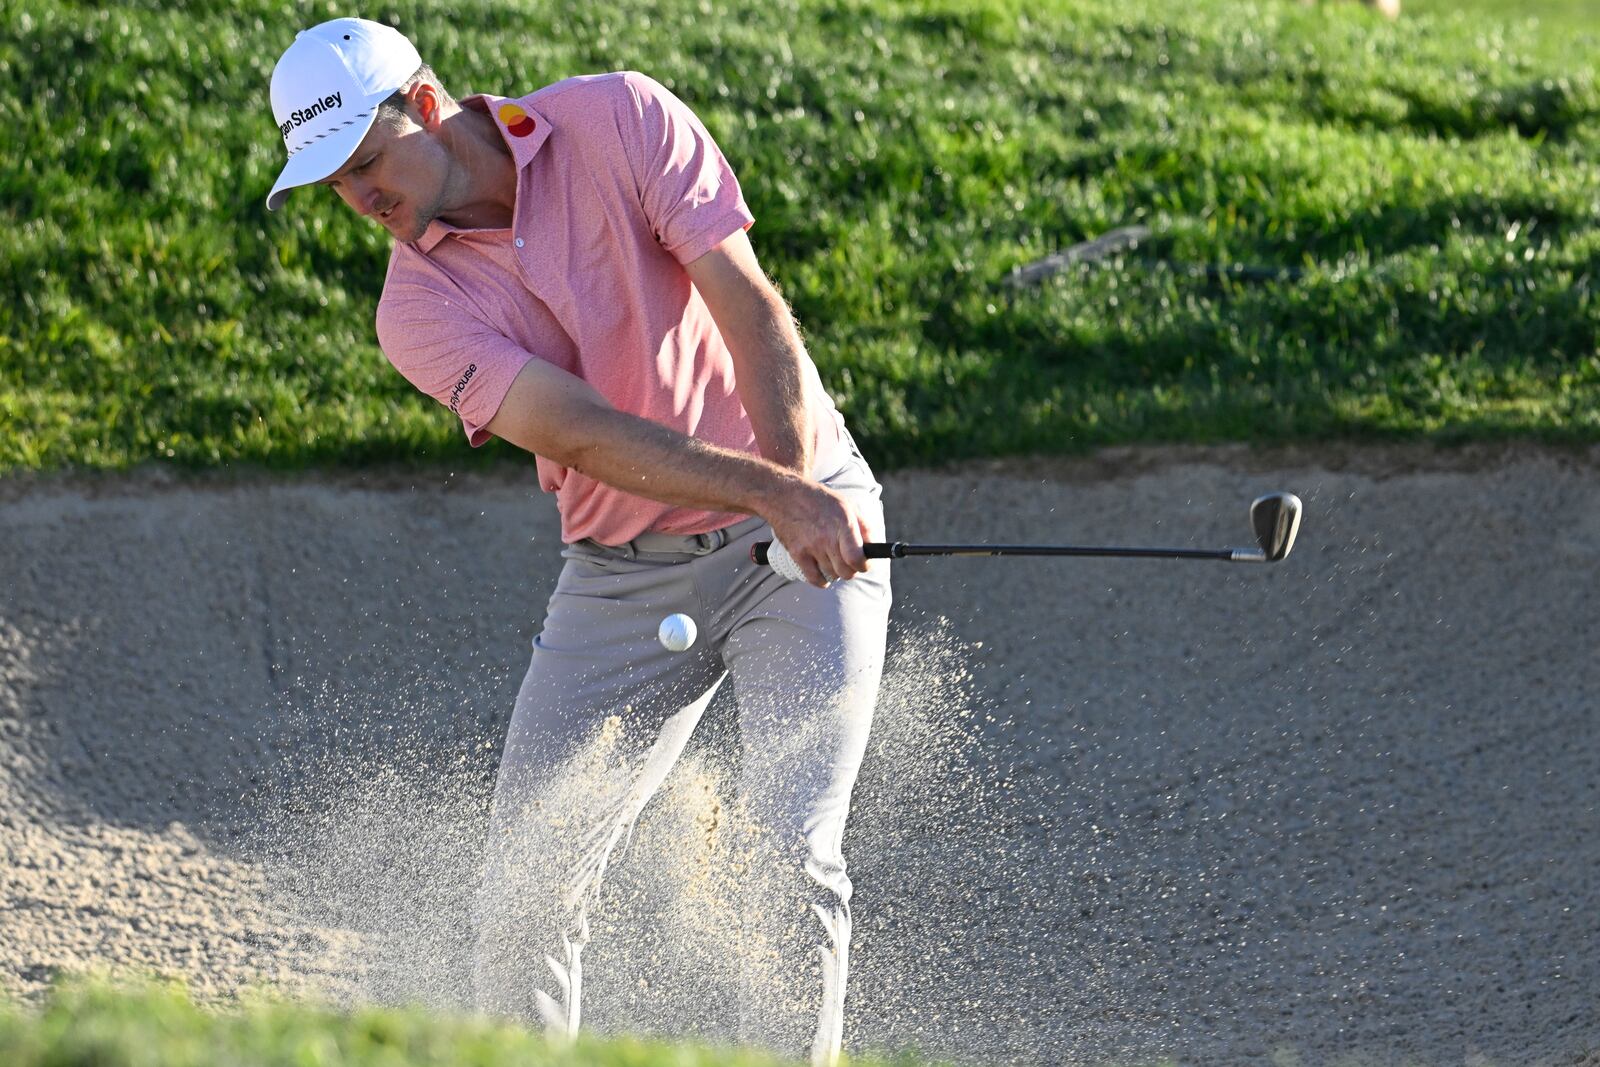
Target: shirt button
{"points": [[519, 242]]}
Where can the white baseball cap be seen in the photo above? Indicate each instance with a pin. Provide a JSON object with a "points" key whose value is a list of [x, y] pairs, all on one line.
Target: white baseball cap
{"points": [[325, 94]]}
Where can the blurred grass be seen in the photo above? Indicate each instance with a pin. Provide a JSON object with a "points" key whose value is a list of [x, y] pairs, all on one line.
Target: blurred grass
{"points": [[1558, 19], [1432, 180], [148, 1024]]}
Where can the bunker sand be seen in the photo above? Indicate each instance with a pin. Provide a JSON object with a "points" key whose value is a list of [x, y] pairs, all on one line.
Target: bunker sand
{"points": [[1345, 807]]}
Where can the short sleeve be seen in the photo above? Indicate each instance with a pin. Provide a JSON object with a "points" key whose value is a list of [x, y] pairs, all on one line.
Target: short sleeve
{"points": [[450, 354], [686, 187]]}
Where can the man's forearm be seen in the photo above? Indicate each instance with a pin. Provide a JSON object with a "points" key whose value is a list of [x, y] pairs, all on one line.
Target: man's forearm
{"points": [[555, 415], [769, 357], [768, 360], [650, 460]]}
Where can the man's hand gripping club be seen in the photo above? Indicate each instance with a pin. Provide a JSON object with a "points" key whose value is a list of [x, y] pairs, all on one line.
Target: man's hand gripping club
{"points": [[819, 536]]}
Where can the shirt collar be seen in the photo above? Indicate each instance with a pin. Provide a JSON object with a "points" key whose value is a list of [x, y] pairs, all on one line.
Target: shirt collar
{"points": [[524, 130]]}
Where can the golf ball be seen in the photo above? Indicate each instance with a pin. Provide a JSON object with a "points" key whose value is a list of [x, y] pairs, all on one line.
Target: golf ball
{"points": [[677, 632]]}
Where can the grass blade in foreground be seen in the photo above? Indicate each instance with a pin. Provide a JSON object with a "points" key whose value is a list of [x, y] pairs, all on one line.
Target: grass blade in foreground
{"points": [[95, 1022]]}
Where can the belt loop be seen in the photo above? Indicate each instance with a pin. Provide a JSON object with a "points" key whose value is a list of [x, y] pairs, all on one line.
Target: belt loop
{"points": [[711, 540], [629, 552]]}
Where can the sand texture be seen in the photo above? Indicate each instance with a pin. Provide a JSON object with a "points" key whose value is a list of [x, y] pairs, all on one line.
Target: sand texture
{"points": [[1345, 809]]}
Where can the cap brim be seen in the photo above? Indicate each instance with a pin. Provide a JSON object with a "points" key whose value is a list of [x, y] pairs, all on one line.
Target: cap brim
{"points": [[321, 157]]}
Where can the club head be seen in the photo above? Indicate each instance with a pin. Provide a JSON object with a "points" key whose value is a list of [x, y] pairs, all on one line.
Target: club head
{"points": [[1275, 519]]}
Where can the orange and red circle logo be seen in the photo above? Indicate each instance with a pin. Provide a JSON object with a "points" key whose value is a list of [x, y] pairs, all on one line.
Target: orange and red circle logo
{"points": [[518, 123]]}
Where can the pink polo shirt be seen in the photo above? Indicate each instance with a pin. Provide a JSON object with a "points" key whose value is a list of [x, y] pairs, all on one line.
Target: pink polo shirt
{"points": [[618, 186]]}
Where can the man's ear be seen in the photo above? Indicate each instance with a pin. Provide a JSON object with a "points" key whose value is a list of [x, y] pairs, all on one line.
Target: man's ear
{"points": [[424, 100]]}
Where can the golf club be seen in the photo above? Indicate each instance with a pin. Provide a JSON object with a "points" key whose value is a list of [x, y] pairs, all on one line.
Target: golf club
{"points": [[1275, 518]]}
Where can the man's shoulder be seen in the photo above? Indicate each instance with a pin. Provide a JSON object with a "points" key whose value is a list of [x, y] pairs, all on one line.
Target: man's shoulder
{"points": [[409, 270], [414, 287], [576, 97]]}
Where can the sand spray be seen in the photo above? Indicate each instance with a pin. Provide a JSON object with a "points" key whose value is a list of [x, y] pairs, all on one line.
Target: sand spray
{"points": [[698, 927]]}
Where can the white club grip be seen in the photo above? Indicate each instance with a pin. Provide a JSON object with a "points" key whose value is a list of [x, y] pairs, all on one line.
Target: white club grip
{"points": [[783, 564]]}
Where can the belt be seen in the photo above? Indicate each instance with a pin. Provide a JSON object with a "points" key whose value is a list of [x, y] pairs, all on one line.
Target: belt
{"points": [[660, 544]]}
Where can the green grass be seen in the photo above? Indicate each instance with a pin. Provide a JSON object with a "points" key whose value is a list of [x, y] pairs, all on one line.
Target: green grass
{"points": [[1547, 29], [1434, 181], [98, 1024], [1560, 17]]}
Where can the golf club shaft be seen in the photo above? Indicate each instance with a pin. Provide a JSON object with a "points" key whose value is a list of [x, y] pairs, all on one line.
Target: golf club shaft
{"points": [[900, 550], [1275, 518]]}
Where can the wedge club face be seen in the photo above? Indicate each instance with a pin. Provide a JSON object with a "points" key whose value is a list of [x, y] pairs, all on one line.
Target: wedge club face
{"points": [[1275, 519]]}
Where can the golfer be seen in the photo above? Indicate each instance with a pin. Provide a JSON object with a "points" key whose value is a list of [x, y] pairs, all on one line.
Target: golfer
{"points": [[571, 273]]}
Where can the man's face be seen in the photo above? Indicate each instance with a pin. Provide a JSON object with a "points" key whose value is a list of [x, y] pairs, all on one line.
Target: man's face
{"points": [[397, 176]]}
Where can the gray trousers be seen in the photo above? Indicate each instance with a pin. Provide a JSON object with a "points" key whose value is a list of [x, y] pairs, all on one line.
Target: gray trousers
{"points": [[605, 711]]}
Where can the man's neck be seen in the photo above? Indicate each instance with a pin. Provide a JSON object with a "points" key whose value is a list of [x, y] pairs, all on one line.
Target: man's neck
{"points": [[485, 173]]}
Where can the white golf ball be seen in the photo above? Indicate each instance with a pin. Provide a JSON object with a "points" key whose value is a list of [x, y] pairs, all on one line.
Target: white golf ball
{"points": [[677, 632]]}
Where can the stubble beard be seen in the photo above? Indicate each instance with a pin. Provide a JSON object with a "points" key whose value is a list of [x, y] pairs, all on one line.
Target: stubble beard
{"points": [[424, 216]]}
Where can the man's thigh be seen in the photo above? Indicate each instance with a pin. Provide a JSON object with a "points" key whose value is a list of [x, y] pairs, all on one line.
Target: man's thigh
{"points": [[602, 715], [598, 667], [806, 665]]}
